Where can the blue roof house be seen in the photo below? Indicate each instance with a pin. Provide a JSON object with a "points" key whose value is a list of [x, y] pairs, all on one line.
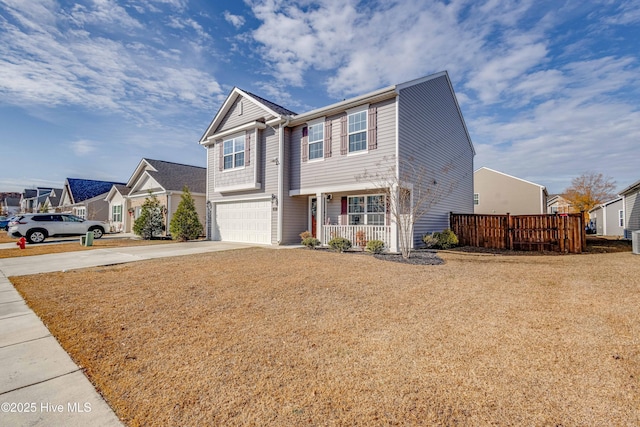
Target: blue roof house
{"points": [[85, 198]]}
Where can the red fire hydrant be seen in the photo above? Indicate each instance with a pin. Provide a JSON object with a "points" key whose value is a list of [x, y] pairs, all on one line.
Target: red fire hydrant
{"points": [[21, 242]]}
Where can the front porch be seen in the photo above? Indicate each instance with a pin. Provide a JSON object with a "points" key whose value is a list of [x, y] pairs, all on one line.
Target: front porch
{"points": [[359, 216], [359, 235]]}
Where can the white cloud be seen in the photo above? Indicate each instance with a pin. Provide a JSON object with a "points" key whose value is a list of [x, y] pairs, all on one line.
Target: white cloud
{"points": [[540, 98], [83, 147], [235, 20], [51, 57]]}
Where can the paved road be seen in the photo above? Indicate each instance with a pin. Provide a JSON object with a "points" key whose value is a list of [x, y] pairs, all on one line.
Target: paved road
{"points": [[39, 383]]}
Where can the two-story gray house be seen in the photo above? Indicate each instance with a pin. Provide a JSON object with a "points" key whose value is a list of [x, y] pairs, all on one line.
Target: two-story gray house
{"points": [[272, 173]]}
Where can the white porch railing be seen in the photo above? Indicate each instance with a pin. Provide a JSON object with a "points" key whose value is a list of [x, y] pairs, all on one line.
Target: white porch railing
{"points": [[359, 235]]}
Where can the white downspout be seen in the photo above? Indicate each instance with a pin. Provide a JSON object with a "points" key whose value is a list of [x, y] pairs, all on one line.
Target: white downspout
{"points": [[281, 179]]}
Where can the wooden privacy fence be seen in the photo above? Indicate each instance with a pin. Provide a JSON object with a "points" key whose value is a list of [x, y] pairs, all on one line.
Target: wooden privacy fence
{"points": [[560, 232]]}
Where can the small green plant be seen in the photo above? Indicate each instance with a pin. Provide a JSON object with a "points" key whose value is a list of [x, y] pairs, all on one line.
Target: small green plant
{"points": [[310, 242], [375, 246], [440, 240], [340, 244]]}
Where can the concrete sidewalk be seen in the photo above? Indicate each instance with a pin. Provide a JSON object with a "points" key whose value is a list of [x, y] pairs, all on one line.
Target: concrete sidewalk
{"points": [[39, 383]]}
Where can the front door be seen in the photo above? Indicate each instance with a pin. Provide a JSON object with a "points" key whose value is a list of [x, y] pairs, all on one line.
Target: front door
{"points": [[313, 213]]}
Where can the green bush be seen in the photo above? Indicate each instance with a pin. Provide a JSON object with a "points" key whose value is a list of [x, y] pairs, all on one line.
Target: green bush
{"points": [[340, 244], [440, 240], [185, 224], [375, 246], [310, 242]]}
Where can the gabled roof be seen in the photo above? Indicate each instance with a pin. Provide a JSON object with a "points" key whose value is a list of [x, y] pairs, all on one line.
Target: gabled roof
{"points": [[29, 193], [171, 176], [510, 176], [631, 189], [55, 196], [605, 204], [83, 189], [270, 107]]}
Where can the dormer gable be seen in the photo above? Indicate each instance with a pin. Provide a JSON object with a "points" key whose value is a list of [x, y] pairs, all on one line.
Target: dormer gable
{"points": [[240, 110]]}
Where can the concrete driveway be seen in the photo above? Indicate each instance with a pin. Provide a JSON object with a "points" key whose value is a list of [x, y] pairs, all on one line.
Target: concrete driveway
{"points": [[39, 383]]}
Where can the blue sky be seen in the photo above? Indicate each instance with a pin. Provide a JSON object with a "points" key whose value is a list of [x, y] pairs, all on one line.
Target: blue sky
{"points": [[548, 89]]}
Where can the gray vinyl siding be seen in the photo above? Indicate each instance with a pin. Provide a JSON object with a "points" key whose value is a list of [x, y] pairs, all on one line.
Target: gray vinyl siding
{"points": [[250, 113], [342, 169], [632, 213], [295, 219], [613, 219], [432, 133]]}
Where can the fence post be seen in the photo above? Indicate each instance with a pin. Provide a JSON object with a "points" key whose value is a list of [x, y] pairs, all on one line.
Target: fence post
{"points": [[509, 232]]}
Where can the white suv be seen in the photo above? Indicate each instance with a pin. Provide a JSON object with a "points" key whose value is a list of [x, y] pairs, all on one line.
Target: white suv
{"points": [[37, 227]]}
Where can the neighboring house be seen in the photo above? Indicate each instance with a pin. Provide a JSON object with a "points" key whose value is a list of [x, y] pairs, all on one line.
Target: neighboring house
{"points": [[9, 202], [631, 207], [50, 200], [498, 193], [31, 197], [11, 205], [558, 204], [273, 174], [85, 198], [608, 218], [163, 179]]}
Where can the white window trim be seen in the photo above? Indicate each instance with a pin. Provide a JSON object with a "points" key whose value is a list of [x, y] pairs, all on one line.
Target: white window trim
{"points": [[362, 108], [318, 121], [476, 199], [231, 138], [365, 213], [113, 213], [621, 218]]}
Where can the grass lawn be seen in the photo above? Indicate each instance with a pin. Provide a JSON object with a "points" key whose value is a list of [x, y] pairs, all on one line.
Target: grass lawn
{"points": [[300, 337], [47, 248]]}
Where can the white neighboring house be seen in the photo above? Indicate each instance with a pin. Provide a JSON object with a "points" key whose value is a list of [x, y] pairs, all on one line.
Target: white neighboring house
{"points": [[608, 218], [163, 179], [631, 207]]}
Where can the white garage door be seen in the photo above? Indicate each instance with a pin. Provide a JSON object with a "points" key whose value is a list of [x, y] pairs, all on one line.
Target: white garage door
{"points": [[248, 222]]}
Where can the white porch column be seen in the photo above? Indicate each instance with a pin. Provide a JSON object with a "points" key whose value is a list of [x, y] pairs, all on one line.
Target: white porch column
{"points": [[393, 243], [320, 217]]}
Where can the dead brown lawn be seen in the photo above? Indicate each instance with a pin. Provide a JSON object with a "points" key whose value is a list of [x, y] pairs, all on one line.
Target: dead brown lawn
{"points": [[293, 337], [42, 249], [4, 238]]}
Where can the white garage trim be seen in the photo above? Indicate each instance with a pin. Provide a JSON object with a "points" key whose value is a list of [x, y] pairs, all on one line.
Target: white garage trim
{"points": [[247, 221]]}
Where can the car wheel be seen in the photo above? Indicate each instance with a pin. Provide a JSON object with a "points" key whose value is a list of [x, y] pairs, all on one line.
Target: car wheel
{"points": [[97, 232], [36, 236]]}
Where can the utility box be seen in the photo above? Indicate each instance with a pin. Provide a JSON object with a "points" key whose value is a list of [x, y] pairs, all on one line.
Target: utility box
{"points": [[635, 242], [87, 239]]}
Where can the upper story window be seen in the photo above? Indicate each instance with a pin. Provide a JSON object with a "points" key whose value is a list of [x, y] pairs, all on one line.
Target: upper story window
{"points": [[316, 141], [476, 198], [621, 218], [357, 131], [233, 152]]}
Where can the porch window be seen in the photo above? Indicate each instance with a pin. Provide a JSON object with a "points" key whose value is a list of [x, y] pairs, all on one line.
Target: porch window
{"points": [[357, 131], [234, 152], [366, 210], [81, 212], [116, 213], [316, 141]]}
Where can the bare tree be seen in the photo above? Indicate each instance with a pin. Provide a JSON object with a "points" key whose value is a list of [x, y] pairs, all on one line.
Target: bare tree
{"points": [[589, 189], [411, 193]]}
